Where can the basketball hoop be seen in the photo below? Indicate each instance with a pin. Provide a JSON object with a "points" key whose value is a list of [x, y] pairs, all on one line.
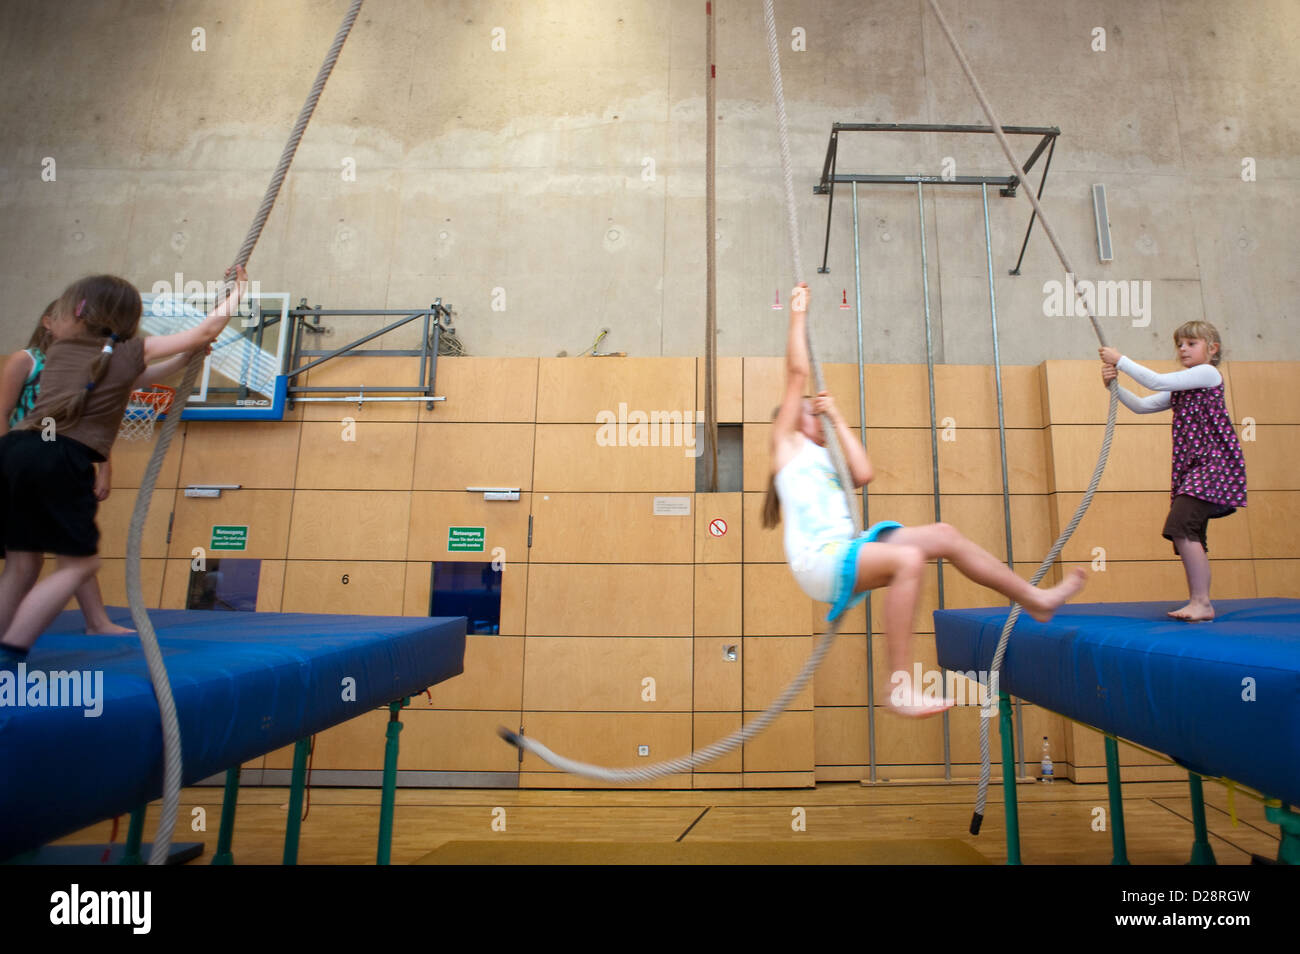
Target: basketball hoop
{"points": [[142, 410]]}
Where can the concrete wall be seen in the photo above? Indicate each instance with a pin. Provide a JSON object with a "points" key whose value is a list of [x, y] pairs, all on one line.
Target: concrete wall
{"points": [[523, 169]]}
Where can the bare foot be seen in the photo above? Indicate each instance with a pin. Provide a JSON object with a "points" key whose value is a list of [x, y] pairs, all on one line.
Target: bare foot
{"points": [[1050, 601], [921, 708], [108, 629], [1194, 612]]}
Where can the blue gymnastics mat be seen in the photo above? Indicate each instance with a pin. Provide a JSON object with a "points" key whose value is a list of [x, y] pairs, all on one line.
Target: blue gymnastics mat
{"points": [[1221, 698], [244, 683]]}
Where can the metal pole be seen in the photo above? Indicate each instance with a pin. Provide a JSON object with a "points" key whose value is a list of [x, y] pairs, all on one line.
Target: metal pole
{"points": [[866, 521], [934, 449], [1002, 445]]}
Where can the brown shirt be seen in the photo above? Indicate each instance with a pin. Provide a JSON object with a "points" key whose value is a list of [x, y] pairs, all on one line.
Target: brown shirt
{"points": [[67, 370]]}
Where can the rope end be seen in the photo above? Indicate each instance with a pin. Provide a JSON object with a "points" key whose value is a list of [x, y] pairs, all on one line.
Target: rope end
{"points": [[512, 737], [976, 820]]}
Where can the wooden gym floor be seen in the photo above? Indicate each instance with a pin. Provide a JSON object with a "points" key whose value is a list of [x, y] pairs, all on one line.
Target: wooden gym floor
{"points": [[1056, 821]]}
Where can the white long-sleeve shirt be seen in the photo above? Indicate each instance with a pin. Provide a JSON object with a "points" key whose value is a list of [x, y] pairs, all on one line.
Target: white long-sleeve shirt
{"points": [[1200, 376]]}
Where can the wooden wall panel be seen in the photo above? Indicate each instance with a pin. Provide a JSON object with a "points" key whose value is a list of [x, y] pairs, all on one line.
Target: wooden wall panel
{"points": [[841, 737], [568, 458], [765, 387], [415, 598], [266, 513], [718, 599], [130, 458], [1277, 578], [607, 738], [1158, 581], [316, 586], [771, 663], [729, 547], [709, 728], [456, 740], [270, 586], [971, 463], [785, 746], [731, 397], [774, 604], [349, 525], [1128, 526], [610, 600], [1139, 458], [456, 456], [1271, 517], [607, 674], [719, 681], [253, 454], [608, 528], [493, 678], [434, 513], [355, 744], [485, 389], [898, 395], [112, 581], [1271, 457], [842, 678], [968, 394], [577, 390], [1075, 395], [114, 522], [354, 373], [760, 545], [379, 455], [980, 518], [1264, 390]]}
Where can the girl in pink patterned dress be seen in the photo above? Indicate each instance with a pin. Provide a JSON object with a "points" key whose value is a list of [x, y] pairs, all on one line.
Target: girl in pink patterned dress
{"points": [[1209, 471]]}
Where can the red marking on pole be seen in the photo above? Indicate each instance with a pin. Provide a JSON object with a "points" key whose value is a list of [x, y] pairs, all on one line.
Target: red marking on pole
{"points": [[708, 8], [718, 527], [713, 71], [844, 301], [777, 305]]}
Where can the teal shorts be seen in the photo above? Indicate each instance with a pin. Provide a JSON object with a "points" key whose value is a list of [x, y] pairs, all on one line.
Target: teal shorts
{"points": [[845, 598]]}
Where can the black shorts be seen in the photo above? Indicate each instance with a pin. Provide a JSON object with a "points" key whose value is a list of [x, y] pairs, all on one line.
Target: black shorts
{"points": [[1188, 517], [47, 495]]}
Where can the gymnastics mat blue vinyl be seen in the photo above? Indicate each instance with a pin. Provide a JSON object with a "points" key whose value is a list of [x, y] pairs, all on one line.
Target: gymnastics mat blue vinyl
{"points": [[244, 684], [1221, 698]]}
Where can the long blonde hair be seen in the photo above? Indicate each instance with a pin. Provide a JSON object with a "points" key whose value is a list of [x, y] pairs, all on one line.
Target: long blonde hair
{"points": [[106, 306]]}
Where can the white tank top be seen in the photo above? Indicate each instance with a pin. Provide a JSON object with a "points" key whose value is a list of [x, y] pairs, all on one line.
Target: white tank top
{"points": [[813, 507]]}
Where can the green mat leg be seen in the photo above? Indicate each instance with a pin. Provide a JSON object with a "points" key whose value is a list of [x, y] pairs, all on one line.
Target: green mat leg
{"points": [[227, 830], [1202, 853], [1288, 852], [390, 782], [1009, 779], [1117, 840], [134, 835], [301, 749]]}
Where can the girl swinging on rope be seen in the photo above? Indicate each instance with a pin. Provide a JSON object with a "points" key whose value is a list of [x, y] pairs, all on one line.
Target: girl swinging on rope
{"points": [[829, 563]]}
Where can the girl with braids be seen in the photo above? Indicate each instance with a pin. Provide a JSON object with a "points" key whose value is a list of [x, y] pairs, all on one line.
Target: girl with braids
{"points": [[831, 565], [20, 384], [47, 472]]}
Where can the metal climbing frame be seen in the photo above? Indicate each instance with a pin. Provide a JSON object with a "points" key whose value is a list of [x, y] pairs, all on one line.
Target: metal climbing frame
{"points": [[1007, 187]]}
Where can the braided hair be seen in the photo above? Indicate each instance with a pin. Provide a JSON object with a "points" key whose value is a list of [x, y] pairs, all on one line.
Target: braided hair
{"points": [[108, 308]]}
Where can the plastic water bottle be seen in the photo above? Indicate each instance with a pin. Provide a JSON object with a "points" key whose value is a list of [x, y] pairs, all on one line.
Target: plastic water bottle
{"points": [[1048, 774]]}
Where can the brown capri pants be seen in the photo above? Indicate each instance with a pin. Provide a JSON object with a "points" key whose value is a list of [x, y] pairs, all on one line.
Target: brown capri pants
{"points": [[1188, 517]]}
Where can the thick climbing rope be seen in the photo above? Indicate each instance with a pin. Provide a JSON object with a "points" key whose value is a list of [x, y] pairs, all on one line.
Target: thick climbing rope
{"points": [[826, 640], [998, 657], [135, 597]]}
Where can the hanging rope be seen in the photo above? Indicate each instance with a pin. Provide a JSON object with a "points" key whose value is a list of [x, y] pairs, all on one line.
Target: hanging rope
{"points": [[981, 798], [827, 639], [135, 597]]}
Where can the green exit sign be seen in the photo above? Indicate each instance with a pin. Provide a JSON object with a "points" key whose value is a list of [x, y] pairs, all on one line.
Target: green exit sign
{"points": [[465, 539], [229, 538]]}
